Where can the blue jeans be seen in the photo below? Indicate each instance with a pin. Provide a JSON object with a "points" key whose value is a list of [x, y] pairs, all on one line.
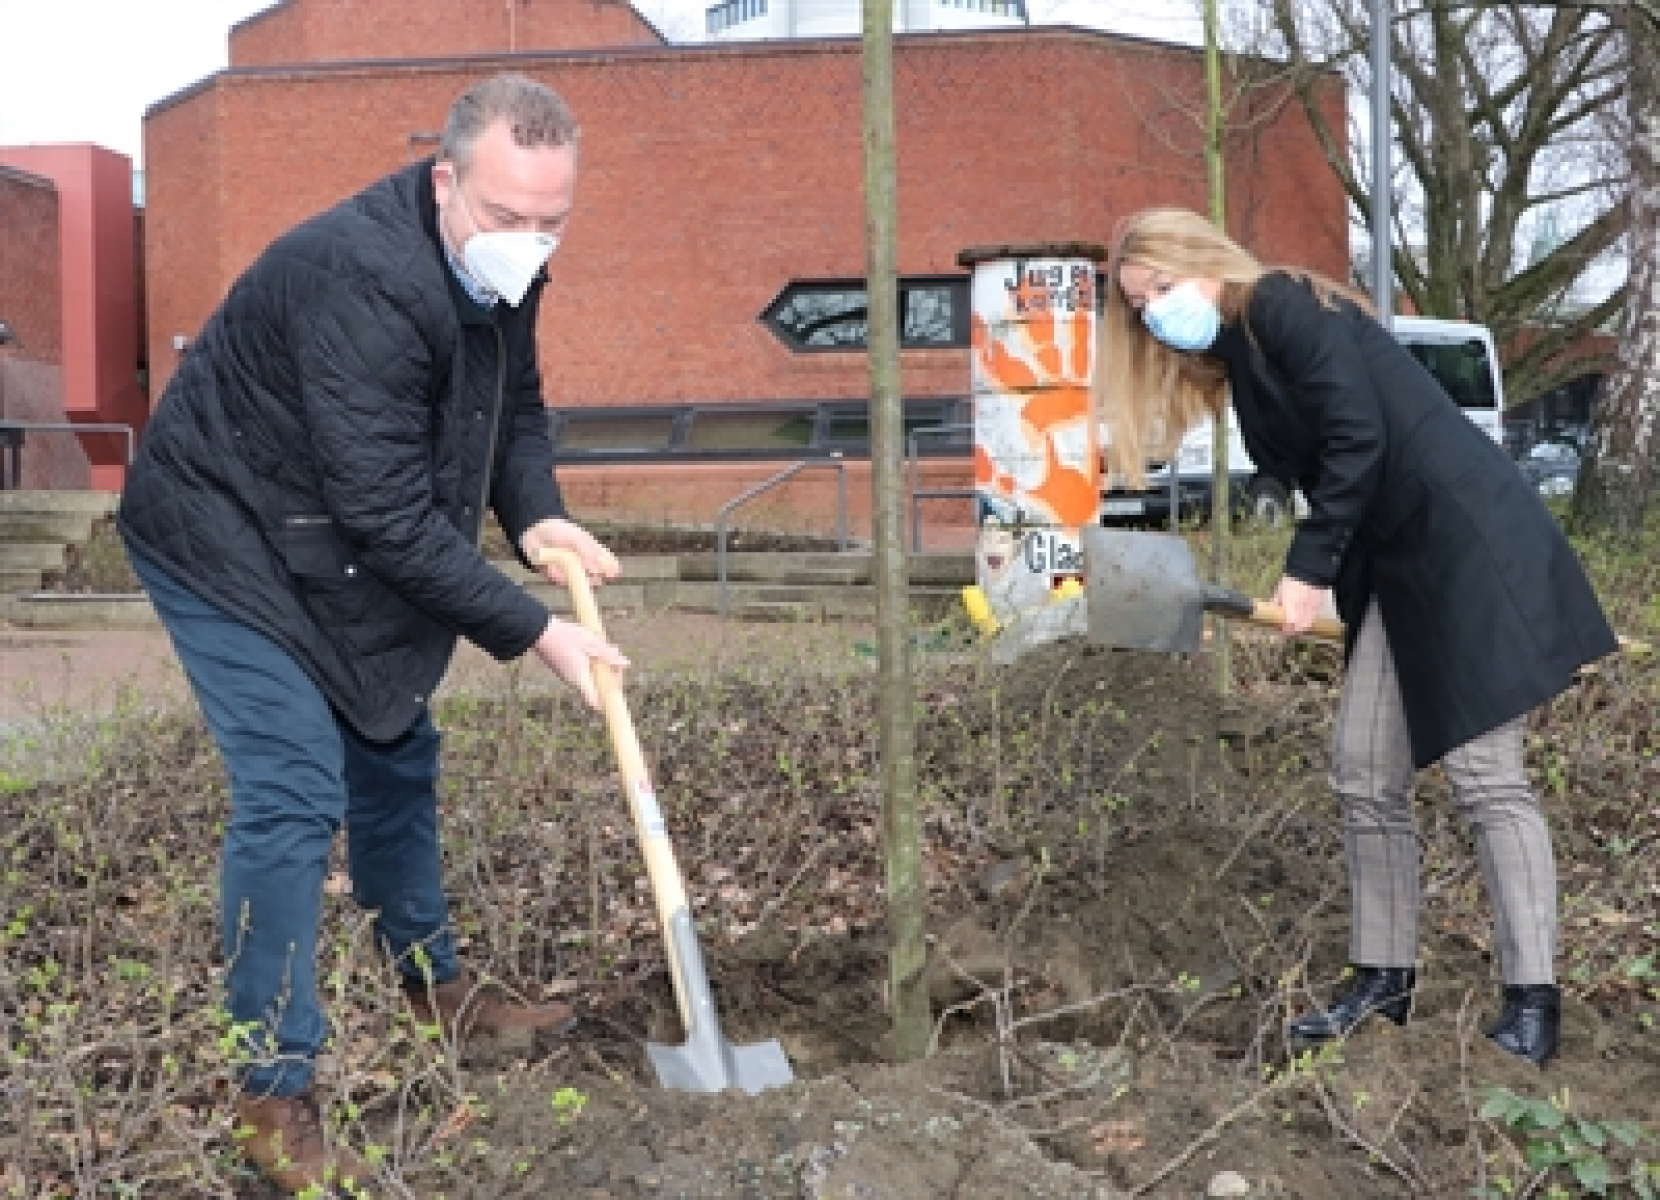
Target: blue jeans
{"points": [[297, 772]]}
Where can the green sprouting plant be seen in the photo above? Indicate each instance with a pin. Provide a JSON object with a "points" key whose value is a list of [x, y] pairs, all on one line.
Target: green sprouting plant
{"points": [[568, 1103], [1559, 1144], [1556, 775], [1620, 846], [18, 925], [239, 1041]]}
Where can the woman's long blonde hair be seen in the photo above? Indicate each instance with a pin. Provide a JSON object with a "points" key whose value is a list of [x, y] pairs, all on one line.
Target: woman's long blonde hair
{"points": [[1146, 394]]}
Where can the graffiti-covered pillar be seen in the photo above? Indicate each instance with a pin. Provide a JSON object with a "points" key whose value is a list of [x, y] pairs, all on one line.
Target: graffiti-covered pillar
{"points": [[1036, 461]]}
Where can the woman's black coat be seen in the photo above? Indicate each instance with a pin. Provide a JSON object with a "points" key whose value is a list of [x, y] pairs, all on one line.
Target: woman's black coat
{"points": [[1487, 610], [320, 463]]}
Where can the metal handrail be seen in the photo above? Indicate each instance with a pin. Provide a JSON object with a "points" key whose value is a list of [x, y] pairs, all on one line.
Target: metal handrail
{"points": [[6, 423], [913, 473], [835, 460]]}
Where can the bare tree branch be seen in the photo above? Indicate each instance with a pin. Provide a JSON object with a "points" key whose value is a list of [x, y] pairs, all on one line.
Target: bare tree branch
{"points": [[1497, 110]]}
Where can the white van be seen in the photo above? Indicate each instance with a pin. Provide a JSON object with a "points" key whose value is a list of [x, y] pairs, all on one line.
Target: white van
{"points": [[1460, 355]]}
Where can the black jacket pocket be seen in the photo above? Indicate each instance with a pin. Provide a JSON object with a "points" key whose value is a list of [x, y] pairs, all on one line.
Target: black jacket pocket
{"points": [[313, 549]]}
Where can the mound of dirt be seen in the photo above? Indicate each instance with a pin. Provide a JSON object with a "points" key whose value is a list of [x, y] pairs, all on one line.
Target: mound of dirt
{"points": [[1130, 888], [1112, 966]]}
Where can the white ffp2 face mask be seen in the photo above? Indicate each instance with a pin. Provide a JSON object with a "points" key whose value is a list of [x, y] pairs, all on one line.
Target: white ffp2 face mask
{"points": [[507, 262]]}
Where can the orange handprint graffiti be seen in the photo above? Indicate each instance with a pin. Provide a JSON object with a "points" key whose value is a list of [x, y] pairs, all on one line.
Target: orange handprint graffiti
{"points": [[1033, 340]]}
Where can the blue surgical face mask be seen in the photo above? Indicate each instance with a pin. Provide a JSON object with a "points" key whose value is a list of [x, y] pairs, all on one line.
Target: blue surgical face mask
{"points": [[1183, 318]]}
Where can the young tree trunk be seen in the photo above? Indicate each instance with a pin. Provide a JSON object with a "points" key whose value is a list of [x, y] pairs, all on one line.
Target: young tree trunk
{"points": [[1618, 472], [901, 825]]}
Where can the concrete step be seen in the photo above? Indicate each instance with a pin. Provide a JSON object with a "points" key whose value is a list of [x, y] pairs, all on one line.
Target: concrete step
{"points": [[32, 556], [777, 611], [53, 610], [37, 527], [15, 581], [88, 504], [946, 568], [647, 584], [24, 526], [831, 568], [830, 603], [635, 569]]}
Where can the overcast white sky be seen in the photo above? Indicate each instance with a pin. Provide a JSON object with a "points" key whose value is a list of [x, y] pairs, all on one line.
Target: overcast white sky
{"points": [[85, 70]]}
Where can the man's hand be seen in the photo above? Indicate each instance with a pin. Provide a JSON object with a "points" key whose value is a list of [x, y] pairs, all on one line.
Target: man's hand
{"points": [[1301, 602], [556, 533], [570, 651]]}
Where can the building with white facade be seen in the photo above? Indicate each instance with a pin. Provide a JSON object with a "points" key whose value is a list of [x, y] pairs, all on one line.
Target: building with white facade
{"points": [[747, 20]]}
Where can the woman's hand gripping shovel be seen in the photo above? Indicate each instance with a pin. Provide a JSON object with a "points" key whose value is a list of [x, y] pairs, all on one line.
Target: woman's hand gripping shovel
{"points": [[706, 1062]]}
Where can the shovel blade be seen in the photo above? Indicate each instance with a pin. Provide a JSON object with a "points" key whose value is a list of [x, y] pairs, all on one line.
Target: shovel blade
{"points": [[712, 1064], [707, 1062], [1144, 591]]}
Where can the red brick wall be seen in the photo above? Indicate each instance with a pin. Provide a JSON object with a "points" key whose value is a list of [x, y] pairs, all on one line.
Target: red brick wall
{"points": [[184, 219], [31, 287], [332, 30], [98, 351], [690, 495], [31, 302], [713, 175]]}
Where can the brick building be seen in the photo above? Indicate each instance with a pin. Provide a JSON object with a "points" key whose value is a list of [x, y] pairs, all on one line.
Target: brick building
{"points": [[704, 323], [70, 301]]}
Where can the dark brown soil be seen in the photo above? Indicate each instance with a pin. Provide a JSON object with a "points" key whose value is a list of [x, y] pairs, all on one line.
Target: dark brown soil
{"points": [[1130, 887], [1112, 970]]}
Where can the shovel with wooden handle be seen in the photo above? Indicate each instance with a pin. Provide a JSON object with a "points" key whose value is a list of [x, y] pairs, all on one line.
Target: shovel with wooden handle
{"points": [[1145, 593], [706, 1062]]}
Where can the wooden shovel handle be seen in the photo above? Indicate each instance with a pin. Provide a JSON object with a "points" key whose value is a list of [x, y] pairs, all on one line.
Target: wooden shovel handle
{"points": [[1272, 616], [662, 870]]}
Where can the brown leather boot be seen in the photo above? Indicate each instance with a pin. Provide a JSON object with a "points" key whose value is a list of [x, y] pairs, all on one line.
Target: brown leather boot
{"points": [[283, 1136], [467, 1008]]}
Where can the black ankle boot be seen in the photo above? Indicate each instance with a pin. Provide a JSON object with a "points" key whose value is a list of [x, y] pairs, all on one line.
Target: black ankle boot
{"points": [[1530, 1026], [1386, 990]]}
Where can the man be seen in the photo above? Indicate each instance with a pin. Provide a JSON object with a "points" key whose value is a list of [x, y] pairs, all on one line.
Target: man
{"points": [[305, 514]]}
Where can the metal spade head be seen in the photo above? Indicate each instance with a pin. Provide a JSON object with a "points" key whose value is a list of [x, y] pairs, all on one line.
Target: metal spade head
{"points": [[1144, 590], [706, 1061]]}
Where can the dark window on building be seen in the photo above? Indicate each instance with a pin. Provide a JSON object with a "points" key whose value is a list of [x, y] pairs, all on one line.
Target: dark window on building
{"points": [[1002, 8], [715, 432], [734, 12], [787, 431], [615, 432], [832, 315], [847, 427]]}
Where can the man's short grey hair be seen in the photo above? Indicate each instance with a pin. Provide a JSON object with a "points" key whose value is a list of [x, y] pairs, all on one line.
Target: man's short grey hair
{"points": [[534, 112]]}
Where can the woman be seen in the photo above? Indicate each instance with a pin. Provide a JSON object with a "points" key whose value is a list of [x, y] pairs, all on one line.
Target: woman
{"points": [[1465, 605]]}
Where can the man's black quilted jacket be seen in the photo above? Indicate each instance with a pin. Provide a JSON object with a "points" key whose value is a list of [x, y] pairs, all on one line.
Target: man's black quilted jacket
{"points": [[318, 466]]}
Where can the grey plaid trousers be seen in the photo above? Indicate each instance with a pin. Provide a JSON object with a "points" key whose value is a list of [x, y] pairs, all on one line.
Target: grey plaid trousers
{"points": [[1372, 774]]}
